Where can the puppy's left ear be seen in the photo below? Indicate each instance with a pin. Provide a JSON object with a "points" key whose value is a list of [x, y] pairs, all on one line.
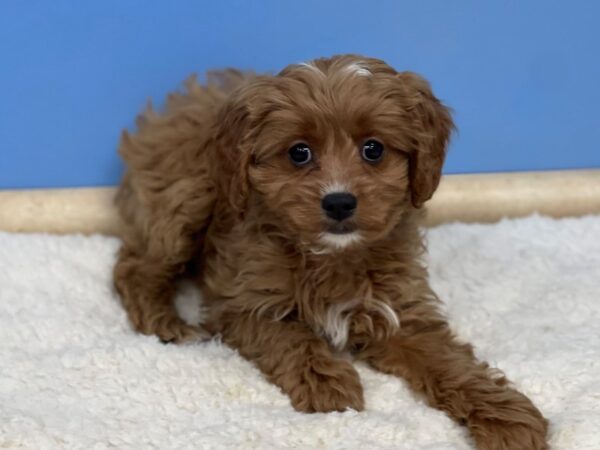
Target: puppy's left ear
{"points": [[432, 126]]}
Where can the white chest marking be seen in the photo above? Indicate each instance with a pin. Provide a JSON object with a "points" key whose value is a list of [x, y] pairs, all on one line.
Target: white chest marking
{"points": [[336, 326], [337, 322]]}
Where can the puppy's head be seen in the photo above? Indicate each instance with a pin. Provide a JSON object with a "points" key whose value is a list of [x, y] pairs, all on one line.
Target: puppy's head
{"points": [[335, 150]]}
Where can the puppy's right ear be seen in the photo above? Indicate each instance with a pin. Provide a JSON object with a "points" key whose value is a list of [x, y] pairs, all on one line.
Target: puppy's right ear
{"points": [[237, 128]]}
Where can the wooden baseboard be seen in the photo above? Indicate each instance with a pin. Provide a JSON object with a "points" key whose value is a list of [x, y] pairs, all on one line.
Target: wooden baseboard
{"points": [[465, 198]]}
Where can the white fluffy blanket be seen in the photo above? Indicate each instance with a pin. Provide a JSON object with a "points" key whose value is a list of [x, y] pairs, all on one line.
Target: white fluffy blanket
{"points": [[525, 292]]}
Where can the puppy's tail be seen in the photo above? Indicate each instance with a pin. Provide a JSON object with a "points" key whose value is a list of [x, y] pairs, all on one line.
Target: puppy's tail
{"points": [[228, 80]]}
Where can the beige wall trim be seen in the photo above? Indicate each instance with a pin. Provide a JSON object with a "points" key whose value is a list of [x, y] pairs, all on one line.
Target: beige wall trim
{"points": [[468, 198], [490, 197], [78, 210]]}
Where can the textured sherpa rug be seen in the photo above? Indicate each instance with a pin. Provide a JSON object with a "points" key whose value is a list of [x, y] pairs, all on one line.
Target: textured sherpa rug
{"points": [[525, 292]]}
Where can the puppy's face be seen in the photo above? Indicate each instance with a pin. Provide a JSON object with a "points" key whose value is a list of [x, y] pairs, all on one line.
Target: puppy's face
{"points": [[336, 150]]}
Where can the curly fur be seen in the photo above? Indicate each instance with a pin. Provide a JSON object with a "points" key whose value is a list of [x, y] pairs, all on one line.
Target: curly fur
{"points": [[210, 193]]}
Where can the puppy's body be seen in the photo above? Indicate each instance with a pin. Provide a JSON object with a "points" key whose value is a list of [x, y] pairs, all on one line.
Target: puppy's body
{"points": [[289, 277]]}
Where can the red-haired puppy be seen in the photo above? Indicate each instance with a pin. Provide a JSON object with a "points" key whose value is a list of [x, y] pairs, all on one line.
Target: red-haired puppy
{"points": [[294, 200]]}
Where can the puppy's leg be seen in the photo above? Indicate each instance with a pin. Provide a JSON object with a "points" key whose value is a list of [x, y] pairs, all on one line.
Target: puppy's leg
{"points": [[447, 373], [165, 200], [146, 286], [156, 247], [300, 363]]}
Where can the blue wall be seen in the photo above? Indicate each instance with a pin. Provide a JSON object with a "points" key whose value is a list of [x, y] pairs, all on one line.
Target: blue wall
{"points": [[523, 76]]}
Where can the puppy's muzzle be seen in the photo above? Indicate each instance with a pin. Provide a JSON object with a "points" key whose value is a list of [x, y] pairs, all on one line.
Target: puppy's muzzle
{"points": [[339, 205]]}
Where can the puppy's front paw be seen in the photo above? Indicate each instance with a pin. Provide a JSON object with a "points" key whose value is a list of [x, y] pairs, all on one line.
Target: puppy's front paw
{"points": [[495, 434], [327, 385]]}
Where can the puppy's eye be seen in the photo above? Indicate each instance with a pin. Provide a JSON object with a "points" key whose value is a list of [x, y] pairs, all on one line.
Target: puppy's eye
{"points": [[300, 154], [372, 151]]}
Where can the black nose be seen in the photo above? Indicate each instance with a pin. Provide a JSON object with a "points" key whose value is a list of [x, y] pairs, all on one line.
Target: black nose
{"points": [[339, 205]]}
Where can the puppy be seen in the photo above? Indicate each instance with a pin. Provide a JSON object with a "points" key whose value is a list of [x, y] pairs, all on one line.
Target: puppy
{"points": [[294, 200]]}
